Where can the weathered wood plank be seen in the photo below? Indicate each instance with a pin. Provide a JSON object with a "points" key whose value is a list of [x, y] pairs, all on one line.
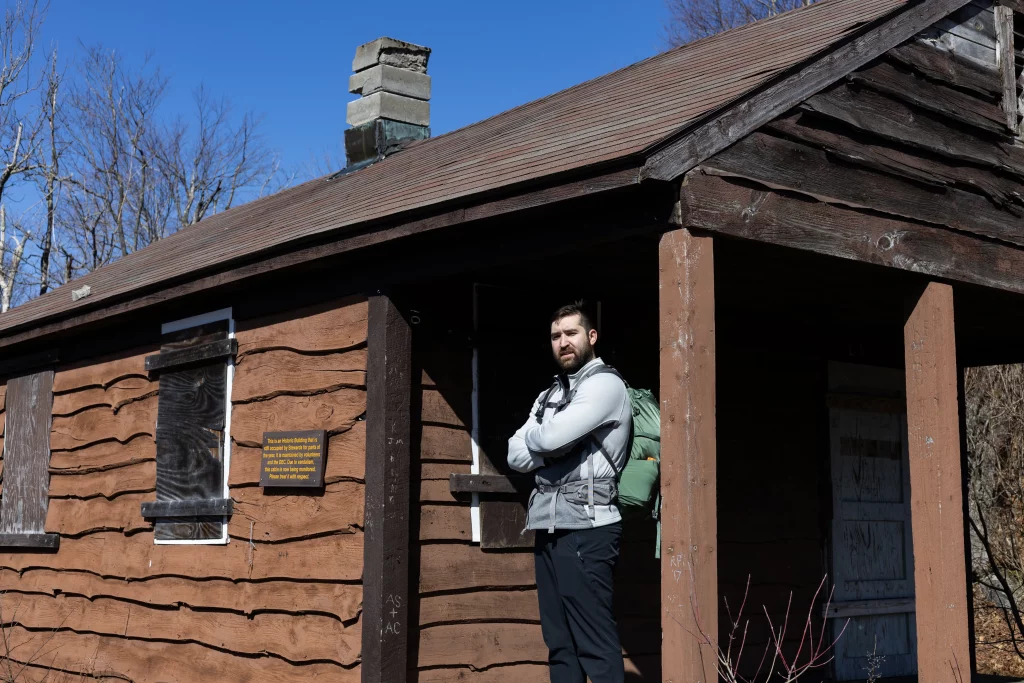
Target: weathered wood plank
{"points": [[104, 455], [794, 166], [721, 129], [445, 443], [29, 539], [856, 148], [279, 518], [113, 396], [340, 600], [297, 638], [936, 496], [972, 111], [276, 372], [446, 407], [346, 458], [205, 507], [491, 605], [445, 523], [118, 658], [330, 326], [1007, 68], [761, 214], [689, 541], [29, 402], [102, 424], [103, 371], [334, 412], [489, 483], [481, 645], [198, 353], [892, 120], [438, 491], [944, 66], [516, 673], [389, 385], [329, 558], [136, 477], [450, 566]]}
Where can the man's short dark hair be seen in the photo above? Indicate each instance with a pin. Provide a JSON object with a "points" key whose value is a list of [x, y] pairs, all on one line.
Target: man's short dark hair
{"points": [[579, 308]]}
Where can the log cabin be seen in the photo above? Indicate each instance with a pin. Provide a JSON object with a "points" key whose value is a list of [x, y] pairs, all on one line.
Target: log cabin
{"points": [[798, 233]]}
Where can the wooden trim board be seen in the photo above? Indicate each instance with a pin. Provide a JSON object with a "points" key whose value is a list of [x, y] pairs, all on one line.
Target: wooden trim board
{"points": [[386, 558]]}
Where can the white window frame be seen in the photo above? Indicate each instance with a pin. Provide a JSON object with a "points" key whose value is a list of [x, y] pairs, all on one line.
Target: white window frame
{"points": [[184, 324]]}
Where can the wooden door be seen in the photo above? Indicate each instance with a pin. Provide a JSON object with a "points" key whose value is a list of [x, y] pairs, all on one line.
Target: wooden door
{"points": [[872, 552]]}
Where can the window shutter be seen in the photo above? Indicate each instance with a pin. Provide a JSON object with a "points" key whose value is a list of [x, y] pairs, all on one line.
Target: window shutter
{"points": [[26, 477], [190, 433]]}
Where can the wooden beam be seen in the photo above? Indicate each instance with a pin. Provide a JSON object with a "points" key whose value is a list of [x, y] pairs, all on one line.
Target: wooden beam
{"points": [[756, 212], [40, 541], [689, 541], [192, 354], [1004, 53], [488, 483], [188, 508], [712, 134], [386, 537], [786, 164], [936, 496]]}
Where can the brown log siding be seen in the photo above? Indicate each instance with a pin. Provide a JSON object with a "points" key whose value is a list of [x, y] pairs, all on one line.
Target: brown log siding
{"points": [[112, 604]]}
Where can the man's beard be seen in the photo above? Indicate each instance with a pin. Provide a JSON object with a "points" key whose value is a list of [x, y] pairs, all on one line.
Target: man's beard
{"points": [[580, 357]]}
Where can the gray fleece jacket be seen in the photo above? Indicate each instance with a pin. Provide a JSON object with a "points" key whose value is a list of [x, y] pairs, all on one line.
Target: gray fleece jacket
{"points": [[556, 449]]}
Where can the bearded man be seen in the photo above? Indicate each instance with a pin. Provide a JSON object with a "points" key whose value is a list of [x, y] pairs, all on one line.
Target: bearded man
{"points": [[576, 441]]}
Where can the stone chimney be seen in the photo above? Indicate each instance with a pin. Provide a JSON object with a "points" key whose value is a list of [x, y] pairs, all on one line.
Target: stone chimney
{"points": [[394, 108]]}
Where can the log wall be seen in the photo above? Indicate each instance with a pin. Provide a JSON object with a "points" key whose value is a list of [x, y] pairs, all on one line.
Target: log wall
{"points": [[281, 601]]}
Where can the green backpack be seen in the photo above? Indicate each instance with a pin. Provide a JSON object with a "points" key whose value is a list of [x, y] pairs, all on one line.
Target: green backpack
{"points": [[638, 481]]}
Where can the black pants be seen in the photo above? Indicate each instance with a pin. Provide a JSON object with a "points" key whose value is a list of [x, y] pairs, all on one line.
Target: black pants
{"points": [[574, 587]]}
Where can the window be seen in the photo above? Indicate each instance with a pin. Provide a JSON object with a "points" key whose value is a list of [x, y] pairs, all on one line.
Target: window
{"points": [[26, 411], [193, 443]]}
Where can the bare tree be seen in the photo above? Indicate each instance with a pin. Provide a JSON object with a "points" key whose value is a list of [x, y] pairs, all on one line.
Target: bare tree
{"points": [[18, 128], [112, 112], [995, 444], [207, 162], [49, 168], [690, 20]]}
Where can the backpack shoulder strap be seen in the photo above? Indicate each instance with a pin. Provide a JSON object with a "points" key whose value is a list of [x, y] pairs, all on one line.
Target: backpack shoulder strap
{"points": [[544, 404]]}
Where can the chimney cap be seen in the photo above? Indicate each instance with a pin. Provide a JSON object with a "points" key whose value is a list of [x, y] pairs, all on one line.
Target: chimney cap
{"points": [[392, 52]]}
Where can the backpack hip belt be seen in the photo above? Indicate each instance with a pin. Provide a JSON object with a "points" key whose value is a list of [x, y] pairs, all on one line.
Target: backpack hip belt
{"points": [[590, 492]]}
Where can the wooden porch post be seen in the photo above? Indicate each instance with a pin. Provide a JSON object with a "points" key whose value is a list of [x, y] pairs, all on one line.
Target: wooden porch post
{"points": [[936, 497], [386, 527], [689, 545]]}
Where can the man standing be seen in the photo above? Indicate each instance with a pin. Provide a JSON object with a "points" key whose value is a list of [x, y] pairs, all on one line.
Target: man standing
{"points": [[576, 441]]}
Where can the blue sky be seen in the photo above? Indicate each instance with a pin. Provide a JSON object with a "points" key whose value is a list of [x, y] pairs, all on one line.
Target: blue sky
{"points": [[290, 61]]}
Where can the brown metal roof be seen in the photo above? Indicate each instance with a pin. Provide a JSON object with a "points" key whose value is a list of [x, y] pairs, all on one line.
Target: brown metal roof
{"points": [[607, 119]]}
